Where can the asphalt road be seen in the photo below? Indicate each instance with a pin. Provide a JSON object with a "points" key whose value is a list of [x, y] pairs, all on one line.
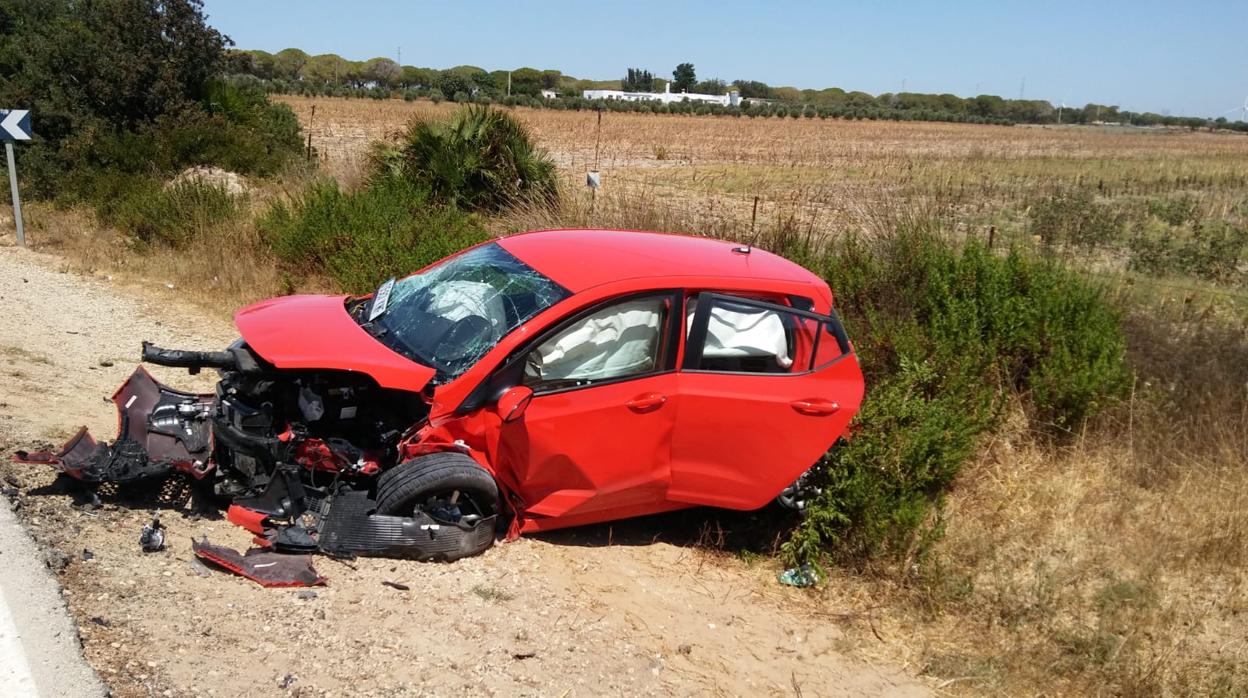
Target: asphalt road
{"points": [[39, 652]]}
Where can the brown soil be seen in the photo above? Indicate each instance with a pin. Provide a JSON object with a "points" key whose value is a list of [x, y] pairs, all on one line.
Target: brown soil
{"points": [[607, 610]]}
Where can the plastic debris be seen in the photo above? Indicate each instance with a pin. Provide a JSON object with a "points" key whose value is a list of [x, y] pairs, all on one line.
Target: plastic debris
{"points": [[802, 576], [266, 568]]}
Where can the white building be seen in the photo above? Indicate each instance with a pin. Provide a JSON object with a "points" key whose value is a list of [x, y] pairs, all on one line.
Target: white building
{"points": [[730, 99], [549, 94]]}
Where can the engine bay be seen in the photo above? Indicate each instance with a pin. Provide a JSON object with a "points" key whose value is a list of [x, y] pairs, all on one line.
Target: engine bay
{"points": [[295, 455], [334, 422]]}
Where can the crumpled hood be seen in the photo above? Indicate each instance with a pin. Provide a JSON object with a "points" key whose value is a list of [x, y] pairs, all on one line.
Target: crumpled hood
{"points": [[316, 332]]}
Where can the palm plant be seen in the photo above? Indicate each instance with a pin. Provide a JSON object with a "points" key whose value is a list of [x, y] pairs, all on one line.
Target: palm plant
{"points": [[480, 159]]}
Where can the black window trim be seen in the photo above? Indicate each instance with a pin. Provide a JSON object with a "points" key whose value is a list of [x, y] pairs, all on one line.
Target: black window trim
{"points": [[510, 371], [696, 341]]}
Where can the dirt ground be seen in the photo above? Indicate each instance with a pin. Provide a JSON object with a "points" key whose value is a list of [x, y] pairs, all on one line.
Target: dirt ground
{"points": [[611, 610]]}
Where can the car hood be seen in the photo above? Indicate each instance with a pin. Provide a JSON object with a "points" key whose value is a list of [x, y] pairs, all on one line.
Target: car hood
{"points": [[315, 332]]}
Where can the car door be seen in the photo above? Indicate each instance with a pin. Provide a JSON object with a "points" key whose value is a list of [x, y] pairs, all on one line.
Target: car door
{"points": [[594, 440], [765, 389]]}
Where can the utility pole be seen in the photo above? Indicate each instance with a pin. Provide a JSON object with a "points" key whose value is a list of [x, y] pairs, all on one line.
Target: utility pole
{"points": [[509, 83]]}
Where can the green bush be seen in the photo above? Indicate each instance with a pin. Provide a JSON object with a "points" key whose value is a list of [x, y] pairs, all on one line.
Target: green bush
{"points": [[1213, 251], [944, 335], [480, 159], [127, 87], [389, 228], [155, 213], [1075, 218], [1184, 209]]}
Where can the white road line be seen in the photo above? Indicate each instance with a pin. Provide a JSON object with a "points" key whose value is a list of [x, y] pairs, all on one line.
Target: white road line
{"points": [[16, 679]]}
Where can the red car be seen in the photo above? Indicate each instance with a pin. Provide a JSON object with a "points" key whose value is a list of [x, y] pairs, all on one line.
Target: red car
{"points": [[555, 378]]}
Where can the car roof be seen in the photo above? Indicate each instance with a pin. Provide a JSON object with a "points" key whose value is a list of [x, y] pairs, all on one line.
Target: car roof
{"points": [[579, 259]]}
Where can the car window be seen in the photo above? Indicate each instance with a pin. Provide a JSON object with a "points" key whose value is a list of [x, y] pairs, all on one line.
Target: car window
{"points": [[755, 337], [614, 341]]}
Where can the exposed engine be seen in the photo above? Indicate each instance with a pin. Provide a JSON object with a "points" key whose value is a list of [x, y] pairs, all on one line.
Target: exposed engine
{"points": [[301, 456], [329, 422]]}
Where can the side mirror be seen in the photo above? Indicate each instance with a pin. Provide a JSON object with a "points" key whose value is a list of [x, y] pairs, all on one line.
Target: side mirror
{"points": [[512, 404]]}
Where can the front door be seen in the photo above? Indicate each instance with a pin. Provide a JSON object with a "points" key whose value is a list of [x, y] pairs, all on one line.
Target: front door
{"points": [[765, 390], [594, 442]]}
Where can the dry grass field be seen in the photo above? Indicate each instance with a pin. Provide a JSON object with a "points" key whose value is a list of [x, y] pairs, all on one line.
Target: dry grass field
{"points": [[831, 170], [1113, 565]]}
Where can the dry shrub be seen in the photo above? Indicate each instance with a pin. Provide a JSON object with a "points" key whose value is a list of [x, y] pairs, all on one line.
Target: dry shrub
{"points": [[219, 271]]}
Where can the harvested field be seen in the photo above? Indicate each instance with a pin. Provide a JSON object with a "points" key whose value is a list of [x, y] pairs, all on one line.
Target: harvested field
{"points": [[825, 172]]}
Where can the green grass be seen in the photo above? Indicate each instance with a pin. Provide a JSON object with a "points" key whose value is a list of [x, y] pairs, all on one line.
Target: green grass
{"points": [[945, 335], [360, 238]]}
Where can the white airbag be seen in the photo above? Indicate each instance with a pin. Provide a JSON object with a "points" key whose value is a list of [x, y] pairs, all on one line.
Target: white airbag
{"points": [[753, 333], [456, 300], [621, 340]]}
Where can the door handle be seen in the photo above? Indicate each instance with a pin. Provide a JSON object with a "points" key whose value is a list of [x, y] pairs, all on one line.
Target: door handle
{"points": [[815, 408], [646, 402]]}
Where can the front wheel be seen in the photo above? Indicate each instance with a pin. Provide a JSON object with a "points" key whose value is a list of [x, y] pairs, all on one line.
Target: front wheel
{"points": [[449, 488]]}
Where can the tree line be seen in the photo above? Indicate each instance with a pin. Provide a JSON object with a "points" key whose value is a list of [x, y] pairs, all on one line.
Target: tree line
{"points": [[294, 71]]}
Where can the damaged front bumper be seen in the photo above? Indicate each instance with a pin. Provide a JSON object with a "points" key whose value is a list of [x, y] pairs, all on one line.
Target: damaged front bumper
{"points": [[342, 522], [164, 432], [160, 431]]}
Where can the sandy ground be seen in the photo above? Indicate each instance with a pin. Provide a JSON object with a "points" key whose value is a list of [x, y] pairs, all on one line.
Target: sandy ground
{"points": [[610, 610]]}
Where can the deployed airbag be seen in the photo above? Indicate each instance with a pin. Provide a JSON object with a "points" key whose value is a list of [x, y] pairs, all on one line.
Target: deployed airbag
{"points": [[619, 340], [749, 333]]}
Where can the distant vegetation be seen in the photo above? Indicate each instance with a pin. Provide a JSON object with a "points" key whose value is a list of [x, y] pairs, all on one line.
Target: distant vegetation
{"points": [[126, 93], [291, 71]]}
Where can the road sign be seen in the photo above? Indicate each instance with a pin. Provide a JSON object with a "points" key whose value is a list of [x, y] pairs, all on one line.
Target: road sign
{"points": [[15, 124]]}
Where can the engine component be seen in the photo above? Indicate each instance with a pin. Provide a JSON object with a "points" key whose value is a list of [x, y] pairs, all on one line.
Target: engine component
{"points": [[153, 537]]}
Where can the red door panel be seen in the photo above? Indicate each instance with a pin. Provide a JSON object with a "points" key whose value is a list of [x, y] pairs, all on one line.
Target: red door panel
{"points": [[741, 439], [594, 453], [746, 428]]}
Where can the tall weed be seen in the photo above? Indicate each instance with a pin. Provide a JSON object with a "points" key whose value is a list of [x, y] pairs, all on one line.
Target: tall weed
{"points": [[174, 214]]}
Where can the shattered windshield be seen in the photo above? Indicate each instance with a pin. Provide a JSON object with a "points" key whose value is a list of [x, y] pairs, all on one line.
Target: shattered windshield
{"points": [[449, 316]]}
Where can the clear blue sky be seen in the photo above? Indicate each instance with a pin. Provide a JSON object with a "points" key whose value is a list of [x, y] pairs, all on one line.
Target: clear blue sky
{"points": [[1179, 57]]}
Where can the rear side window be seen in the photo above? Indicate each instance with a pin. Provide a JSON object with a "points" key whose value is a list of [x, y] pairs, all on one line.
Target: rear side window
{"points": [[734, 335]]}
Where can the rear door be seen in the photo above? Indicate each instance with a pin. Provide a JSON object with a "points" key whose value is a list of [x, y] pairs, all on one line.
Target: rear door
{"points": [[765, 389]]}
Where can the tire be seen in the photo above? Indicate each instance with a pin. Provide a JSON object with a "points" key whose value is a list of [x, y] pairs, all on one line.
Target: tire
{"points": [[404, 488]]}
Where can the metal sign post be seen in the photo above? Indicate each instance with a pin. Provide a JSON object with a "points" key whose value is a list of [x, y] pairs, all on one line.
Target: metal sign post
{"points": [[15, 126], [17, 199]]}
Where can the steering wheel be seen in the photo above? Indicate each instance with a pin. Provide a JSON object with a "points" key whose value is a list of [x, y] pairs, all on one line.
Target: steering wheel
{"points": [[458, 340]]}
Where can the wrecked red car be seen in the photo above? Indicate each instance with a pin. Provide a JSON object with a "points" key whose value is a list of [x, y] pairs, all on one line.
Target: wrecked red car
{"points": [[544, 380]]}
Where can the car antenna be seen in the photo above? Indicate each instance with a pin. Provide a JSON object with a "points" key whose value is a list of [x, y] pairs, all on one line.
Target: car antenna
{"points": [[749, 246]]}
